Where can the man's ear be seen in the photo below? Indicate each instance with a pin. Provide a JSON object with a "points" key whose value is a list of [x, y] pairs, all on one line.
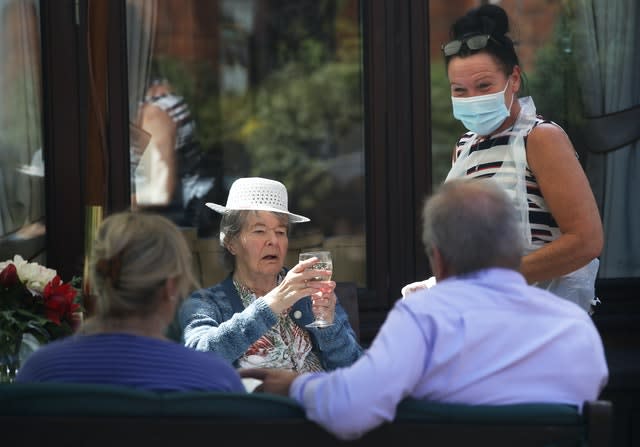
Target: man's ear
{"points": [[439, 267]]}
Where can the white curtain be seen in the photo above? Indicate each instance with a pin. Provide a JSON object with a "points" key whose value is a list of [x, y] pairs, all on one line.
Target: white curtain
{"points": [[141, 24], [21, 168], [608, 53]]}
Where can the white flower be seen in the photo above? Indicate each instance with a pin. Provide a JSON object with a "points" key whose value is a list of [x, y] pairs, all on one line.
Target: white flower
{"points": [[32, 274]]}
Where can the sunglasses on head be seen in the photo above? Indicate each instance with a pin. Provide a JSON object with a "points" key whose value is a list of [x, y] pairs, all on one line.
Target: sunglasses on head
{"points": [[475, 42]]}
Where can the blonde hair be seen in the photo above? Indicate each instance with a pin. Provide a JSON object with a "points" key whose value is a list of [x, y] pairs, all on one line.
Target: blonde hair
{"points": [[134, 253]]}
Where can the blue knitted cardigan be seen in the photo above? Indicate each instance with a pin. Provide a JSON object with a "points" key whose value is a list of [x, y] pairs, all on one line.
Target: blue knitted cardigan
{"points": [[214, 319]]}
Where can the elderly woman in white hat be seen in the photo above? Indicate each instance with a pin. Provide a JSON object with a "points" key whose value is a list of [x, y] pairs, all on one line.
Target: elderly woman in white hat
{"points": [[257, 315]]}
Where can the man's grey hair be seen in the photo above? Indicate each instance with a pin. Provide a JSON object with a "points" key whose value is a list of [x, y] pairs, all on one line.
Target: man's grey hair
{"points": [[474, 225], [133, 255]]}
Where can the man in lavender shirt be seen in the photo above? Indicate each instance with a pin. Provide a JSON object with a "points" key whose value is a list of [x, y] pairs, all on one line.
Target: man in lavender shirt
{"points": [[481, 335]]}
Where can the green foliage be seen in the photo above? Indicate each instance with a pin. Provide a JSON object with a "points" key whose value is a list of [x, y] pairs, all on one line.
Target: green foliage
{"points": [[301, 116], [554, 85], [199, 86], [296, 118], [445, 128]]}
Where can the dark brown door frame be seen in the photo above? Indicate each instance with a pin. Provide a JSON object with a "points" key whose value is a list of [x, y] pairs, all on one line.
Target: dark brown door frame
{"points": [[64, 133], [397, 137], [118, 98], [67, 112]]}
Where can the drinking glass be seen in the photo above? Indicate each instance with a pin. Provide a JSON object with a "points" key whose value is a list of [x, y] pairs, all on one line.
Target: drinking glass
{"points": [[326, 265]]}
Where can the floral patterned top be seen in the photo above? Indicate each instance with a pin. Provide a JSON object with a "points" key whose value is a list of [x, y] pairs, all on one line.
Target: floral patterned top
{"points": [[285, 345]]}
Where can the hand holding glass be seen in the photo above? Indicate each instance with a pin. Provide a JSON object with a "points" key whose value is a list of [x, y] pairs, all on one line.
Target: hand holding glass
{"points": [[324, 264]]}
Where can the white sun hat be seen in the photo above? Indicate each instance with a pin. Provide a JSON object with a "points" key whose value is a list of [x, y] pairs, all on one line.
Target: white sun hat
{"points": [[259, 194]]}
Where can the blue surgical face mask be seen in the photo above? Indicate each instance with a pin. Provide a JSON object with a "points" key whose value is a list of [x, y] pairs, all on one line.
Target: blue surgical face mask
{"points": [[482, 114]]}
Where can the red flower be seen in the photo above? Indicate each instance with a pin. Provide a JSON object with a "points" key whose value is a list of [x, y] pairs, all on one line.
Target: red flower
{"points": [[9, 276], [59, 300]]}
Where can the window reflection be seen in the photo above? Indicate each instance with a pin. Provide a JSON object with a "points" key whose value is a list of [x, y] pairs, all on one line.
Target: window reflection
{"points": [[21, 162], [274, 90]]}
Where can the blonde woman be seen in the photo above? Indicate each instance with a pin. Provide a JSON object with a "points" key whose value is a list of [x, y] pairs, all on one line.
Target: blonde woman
{"points": [[140, 272]]}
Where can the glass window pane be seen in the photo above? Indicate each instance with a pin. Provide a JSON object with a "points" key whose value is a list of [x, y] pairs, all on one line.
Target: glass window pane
{"points": [[262, 88], [22, 207]]}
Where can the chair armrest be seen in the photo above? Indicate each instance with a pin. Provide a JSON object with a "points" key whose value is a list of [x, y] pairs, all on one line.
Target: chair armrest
{"points": [[598, 415]]}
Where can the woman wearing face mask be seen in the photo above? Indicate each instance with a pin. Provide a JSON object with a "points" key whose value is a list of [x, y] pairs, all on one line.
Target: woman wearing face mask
{"points": [[531, 157]]}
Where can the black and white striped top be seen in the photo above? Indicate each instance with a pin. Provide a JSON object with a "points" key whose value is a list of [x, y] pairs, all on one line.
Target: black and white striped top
{"points": [[187, 146], [497, 157]]}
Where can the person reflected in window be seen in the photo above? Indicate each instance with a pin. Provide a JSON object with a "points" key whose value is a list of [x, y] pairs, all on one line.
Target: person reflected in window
{"points": [[166, 174], [140, 270], [481, 335], [257, 315], [531, 157], [28, 239]]}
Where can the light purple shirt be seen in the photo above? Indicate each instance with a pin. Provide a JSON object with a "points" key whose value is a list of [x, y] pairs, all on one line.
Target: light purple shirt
{"points": [[484, 339]]}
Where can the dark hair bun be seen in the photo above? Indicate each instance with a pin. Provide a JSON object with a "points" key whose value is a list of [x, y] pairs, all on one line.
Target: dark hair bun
{"points": [[486, 19]]}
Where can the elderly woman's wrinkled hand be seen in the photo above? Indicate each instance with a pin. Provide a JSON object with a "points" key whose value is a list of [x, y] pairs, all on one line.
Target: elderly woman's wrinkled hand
{"points": [[325, 304], [274, 381], [297, 284]]}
